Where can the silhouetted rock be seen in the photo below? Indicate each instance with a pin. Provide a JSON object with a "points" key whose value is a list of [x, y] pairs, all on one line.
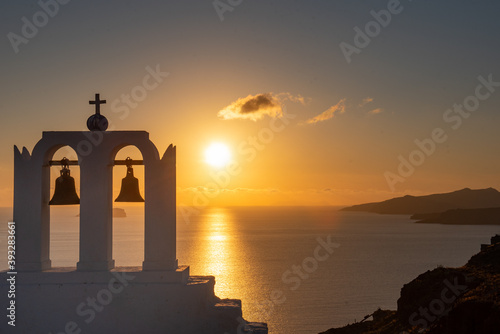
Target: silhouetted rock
{"points": [[461, 199], [462, 300], [383, 322]]}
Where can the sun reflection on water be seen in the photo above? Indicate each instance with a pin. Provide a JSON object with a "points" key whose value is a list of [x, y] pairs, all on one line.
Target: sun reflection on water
{"points": [[215, 248]]}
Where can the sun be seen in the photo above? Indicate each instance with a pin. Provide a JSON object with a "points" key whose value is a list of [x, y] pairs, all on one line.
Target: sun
{"points": [[217, 155]]}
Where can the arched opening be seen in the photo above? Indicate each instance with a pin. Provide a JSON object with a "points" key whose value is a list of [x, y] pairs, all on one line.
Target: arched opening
{"points": [[128, 217], [64, 219]]}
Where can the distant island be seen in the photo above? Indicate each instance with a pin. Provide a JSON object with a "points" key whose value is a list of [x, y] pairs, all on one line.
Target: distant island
{"points": [[488, 216], [443, 301], [466, 206], [119, 213]]}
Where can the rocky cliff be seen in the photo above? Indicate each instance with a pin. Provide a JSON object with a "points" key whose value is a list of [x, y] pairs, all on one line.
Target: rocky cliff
{"points": [[463, 300]]}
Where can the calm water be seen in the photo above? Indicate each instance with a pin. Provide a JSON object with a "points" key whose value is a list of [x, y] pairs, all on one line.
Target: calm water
{"points": [[249, 250]]}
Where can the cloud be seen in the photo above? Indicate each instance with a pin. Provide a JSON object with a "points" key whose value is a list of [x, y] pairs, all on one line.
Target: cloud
{"points": [[255, 107], [366, 100], [339, 108], [292, 98], [376, 111]]}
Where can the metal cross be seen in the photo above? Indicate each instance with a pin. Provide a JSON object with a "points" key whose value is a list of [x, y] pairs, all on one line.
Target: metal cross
{"points": [[97, 103]]}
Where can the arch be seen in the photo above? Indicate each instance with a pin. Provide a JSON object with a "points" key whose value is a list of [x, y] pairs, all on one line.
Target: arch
{"points": [[70, 222], [32, 191], [42, 154], [147, 148], [52, 141], [121, 156], [127, 254]]}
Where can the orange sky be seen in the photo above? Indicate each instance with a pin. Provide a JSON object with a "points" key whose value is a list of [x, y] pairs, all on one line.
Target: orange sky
{"points": [[270, 81]]}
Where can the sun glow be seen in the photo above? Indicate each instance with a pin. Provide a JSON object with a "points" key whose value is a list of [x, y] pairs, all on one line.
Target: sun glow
{"points": [[217, 155]]}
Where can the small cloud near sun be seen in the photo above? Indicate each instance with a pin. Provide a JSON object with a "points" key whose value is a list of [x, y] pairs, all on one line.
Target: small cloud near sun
{"points": [[339, 108], [376, 111], [293, 98], [366, 100], [255, 107]]}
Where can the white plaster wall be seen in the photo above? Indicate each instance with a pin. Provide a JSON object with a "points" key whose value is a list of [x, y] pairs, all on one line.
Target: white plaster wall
{"points": [[50, 304]]}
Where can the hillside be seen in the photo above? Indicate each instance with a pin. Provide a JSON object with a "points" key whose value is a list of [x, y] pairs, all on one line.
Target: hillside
{"points": [[462, 300], [408, 205]]}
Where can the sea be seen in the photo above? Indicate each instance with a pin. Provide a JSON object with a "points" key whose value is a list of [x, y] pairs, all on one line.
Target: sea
{"points": [[300, 269]]}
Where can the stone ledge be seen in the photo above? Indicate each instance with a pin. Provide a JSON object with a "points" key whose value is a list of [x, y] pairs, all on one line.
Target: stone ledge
{"points": [[70, 275]]}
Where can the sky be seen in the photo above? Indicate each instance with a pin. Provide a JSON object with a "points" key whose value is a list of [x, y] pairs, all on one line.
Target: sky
{"points": [[318, 102]]}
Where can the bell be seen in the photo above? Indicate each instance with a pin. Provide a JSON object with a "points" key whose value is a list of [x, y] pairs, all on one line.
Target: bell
{"points": [[130, 188], [65, 192]]}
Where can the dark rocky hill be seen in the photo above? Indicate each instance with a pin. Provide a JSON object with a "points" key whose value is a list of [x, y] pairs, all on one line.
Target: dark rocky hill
{"points": [[463, 300]]}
